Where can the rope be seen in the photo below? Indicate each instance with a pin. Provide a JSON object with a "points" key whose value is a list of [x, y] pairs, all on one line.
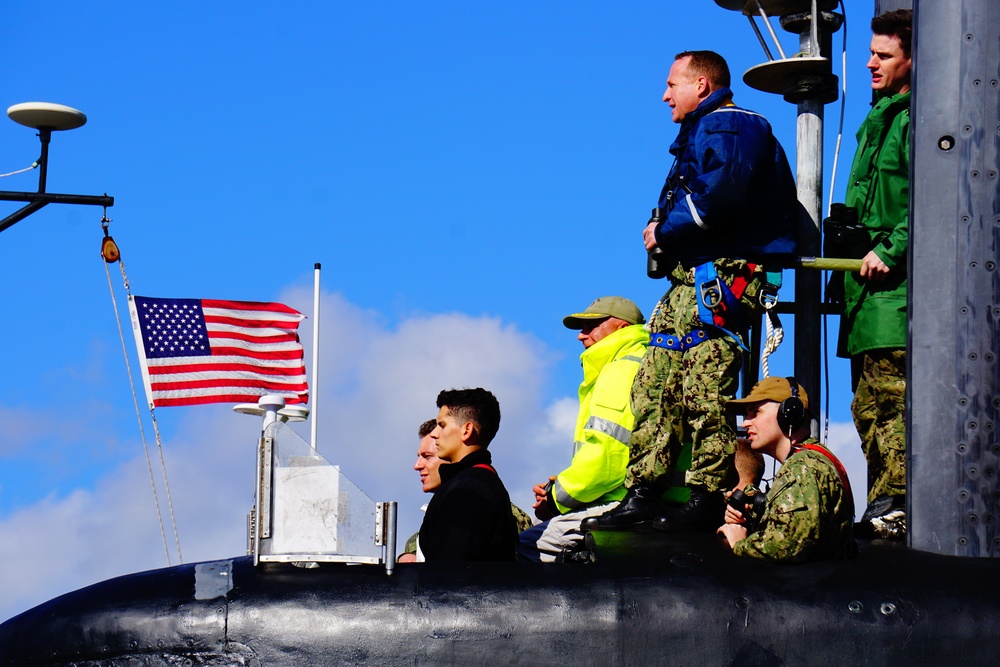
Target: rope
{"points": [[775, 334], [142, 433]]}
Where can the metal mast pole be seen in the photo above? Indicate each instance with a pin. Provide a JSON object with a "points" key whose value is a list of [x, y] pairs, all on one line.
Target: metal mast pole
{"points": [[807, 81], [313, 427], [809, 184]]}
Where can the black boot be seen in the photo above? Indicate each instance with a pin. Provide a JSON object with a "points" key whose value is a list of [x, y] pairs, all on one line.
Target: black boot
{"points": [[706, 510], [640, 505], [885, 518]]}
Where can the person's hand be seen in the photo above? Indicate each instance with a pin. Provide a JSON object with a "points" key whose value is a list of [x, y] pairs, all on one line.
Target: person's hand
{"points": [[543, 508], [734, 516], [649, 236], [732, 532], [873, 268], [541, 492]]}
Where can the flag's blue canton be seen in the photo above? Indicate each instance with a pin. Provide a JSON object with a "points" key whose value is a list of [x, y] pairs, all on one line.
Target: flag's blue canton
{"points": [[172, 327]]}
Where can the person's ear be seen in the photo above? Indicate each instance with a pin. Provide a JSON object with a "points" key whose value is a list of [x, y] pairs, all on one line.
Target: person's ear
{"points": [[704, 90], [468, 431]]}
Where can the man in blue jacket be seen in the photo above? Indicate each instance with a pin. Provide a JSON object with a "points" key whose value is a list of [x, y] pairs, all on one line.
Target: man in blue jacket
{"points": [[728, 204]]}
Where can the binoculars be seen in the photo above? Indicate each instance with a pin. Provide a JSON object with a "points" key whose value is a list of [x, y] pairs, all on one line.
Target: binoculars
{"points": [[751, 503], [843, 235], [657, 262]]}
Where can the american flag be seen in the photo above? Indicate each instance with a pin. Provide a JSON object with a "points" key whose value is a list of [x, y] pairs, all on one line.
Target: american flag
{"points": [[196, 351]]}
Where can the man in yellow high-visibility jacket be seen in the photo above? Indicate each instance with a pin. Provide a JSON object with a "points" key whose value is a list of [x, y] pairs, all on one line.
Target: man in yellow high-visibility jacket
{"points": [[614, 340]]}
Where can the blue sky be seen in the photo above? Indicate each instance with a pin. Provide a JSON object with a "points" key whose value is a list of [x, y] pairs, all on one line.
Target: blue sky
{"points": [[467, 174]]}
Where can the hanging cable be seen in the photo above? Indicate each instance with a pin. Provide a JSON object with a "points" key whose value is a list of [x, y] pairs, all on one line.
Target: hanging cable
{"points": [[833, 183], [34, 165], [111, 254]]}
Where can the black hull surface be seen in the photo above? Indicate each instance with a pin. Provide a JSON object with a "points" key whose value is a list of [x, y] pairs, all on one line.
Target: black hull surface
{"points": [[676, 601]]}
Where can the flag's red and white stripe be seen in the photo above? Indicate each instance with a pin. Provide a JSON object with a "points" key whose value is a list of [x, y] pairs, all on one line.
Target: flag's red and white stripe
{"points": [[251, 349]]}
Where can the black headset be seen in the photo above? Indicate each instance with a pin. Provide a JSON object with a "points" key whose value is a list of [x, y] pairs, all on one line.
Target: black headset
{"points": [[791, 412]]}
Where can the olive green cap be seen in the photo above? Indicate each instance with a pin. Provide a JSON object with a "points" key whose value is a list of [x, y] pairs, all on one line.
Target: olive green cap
{"points": [[770, 389], [603, 308]]}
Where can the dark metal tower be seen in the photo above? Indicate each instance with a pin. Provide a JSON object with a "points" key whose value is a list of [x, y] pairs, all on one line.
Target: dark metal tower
{"points": [[953, 467]]}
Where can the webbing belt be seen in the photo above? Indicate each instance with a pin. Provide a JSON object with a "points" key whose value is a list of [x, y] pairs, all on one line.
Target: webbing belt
{"points": [[682, 343]]}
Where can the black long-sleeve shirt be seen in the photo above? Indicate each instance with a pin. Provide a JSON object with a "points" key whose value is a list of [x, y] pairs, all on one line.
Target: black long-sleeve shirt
{"points": [[469, 517]]}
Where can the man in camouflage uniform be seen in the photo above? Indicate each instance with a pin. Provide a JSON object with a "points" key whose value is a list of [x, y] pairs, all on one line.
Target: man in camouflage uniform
{"points": [[809, 510], [730, 194], [873, 326]]}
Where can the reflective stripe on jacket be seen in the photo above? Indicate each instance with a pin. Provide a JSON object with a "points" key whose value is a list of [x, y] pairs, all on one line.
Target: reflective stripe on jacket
{"points": [[730, 191], [596, 475]]}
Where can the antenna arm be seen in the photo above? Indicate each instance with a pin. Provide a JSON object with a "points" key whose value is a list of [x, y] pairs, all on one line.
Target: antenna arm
{"points": [[37, 200]]}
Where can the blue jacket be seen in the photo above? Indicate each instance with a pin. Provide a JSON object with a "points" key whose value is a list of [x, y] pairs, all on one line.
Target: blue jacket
{"points": [[730, 192]]}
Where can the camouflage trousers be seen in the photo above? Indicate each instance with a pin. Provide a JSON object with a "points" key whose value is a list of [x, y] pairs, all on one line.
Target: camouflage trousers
{"points": [[679, 397], [879, 415]]}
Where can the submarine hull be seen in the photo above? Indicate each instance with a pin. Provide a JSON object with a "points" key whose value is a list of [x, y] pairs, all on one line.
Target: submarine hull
{"points": [[682, 602]]}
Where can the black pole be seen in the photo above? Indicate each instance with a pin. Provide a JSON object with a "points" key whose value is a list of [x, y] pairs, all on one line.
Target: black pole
{"points": [[44, 135]]}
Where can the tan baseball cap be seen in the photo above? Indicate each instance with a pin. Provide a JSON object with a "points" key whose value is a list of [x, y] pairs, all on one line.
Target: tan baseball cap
{"points": [[770, 389], [603, 308]]}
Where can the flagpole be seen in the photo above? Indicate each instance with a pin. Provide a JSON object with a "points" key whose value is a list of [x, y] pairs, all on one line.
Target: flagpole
{"points": [[315, 356]]}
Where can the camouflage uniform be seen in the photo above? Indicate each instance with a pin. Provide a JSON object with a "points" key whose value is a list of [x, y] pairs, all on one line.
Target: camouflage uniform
{"points": [[679, 397], [809, 514], [878, 409]]}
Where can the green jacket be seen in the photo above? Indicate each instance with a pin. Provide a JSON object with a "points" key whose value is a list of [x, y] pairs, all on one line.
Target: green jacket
{"points": [[809, 515], [596, 475], [875, 313]]}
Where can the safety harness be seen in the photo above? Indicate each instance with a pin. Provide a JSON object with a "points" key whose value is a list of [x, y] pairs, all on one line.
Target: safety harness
{"points": [[719, 306], [838, 466]]}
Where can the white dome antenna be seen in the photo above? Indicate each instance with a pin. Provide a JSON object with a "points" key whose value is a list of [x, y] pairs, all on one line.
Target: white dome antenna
{"points": [[47, 118]]}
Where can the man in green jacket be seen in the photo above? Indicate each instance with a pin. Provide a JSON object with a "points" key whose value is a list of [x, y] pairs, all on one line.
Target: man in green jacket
{"points": [[873, 326], [614, 342]]}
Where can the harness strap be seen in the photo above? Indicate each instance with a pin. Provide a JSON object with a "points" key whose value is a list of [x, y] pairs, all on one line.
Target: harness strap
{"points": [[718, 306], [838, 466]]}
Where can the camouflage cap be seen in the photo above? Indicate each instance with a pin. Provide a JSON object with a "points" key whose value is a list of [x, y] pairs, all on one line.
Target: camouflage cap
{"points": [[603, 308], [770, 389]]}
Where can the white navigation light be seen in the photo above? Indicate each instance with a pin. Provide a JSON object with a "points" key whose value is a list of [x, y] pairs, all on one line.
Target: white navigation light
{"points": [[48, 116]]}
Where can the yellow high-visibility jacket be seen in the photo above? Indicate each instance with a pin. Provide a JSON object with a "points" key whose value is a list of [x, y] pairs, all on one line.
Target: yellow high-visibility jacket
{"points": [[596, 475]]}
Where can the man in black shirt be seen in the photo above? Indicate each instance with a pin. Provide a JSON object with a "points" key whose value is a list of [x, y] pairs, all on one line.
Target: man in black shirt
{"points": [[469, 517]]}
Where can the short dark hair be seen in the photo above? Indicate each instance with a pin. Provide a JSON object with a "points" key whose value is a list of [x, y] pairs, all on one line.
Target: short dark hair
{"points": [[474, 405], [708, 64], [426, 428], [899, 24], [749, 464]]}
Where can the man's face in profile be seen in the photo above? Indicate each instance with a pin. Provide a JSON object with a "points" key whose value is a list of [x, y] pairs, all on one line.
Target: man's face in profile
{"points": [[684, 90], [427, 464], [449, 436]]}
